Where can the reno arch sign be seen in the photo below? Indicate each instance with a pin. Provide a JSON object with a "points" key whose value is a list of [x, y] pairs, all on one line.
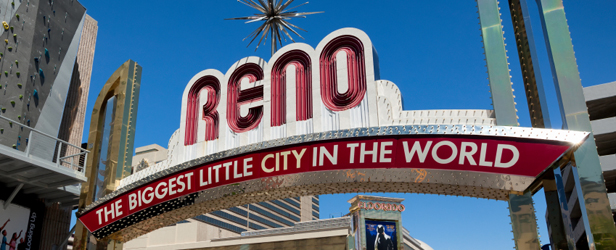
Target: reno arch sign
{"points": [[318, 121], [300, 91]]}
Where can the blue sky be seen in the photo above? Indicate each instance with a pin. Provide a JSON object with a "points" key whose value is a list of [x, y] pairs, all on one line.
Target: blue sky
{"points": [[432, 50]]}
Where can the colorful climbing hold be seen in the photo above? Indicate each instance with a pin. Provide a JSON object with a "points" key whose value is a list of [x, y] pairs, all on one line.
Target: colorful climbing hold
{"points": [[6, 25]]}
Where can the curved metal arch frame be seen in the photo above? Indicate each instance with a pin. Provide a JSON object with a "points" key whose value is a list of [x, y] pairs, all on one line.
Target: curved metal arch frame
{"points": [[323, 182], [412, 180], [124, 83]]}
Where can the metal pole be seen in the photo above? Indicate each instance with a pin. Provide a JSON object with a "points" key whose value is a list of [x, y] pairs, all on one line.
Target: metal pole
{"points": [[594, 203], [67, 237], [72, 162], [564, 206], [272, 41], [559, 228], [521, 207], [248, 218], [12, 196], [559, 233], [85, 161], [58, 154], [523, 221], [496, 62], [529, 64], [29, 143]]}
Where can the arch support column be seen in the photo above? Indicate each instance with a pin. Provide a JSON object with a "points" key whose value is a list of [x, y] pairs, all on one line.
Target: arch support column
{"points": [[521, 208], [596, 212]]}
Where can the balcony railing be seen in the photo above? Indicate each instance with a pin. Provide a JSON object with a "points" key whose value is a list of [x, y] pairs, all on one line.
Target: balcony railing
{"points": [[46, 147]]}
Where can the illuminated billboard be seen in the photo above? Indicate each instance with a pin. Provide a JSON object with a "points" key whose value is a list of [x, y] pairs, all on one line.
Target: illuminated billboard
{"points": [[381, 235]]}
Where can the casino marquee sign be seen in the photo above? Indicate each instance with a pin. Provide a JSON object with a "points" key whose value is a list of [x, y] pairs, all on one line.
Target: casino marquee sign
{"points": [[319, 121]]}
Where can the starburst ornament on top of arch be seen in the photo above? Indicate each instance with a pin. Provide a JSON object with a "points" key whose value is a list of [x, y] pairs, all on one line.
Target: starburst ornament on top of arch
{"points": [[275, 14]]}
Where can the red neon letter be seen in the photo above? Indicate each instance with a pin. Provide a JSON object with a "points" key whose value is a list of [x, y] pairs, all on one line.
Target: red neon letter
{"points": [[210, 115], [236, 97], [303, 89], [354, 49]]}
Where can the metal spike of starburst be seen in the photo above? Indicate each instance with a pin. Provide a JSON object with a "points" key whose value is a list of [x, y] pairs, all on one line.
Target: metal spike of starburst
{"points": [[275, 15]]}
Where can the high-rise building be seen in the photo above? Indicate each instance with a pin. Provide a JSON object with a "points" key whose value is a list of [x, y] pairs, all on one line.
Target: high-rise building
{"points": [[231, 222], [71, 128], [46, 59]]}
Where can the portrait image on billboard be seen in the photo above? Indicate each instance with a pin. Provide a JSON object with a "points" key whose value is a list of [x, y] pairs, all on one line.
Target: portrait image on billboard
{"points": [[381, 235], [13, 226]]}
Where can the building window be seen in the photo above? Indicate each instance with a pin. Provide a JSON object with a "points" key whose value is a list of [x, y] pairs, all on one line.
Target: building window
{"points": [[253, 216], [287, 207], [270, 215], [217, 223], [292, 202], [279, 211], [235, 219]]}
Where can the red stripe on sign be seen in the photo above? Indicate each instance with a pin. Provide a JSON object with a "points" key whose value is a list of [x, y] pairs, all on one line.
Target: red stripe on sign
{"points": [[513, 156]]}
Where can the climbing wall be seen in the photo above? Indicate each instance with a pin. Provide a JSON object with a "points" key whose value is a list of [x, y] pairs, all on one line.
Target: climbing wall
{"points": [[38, 46]]}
